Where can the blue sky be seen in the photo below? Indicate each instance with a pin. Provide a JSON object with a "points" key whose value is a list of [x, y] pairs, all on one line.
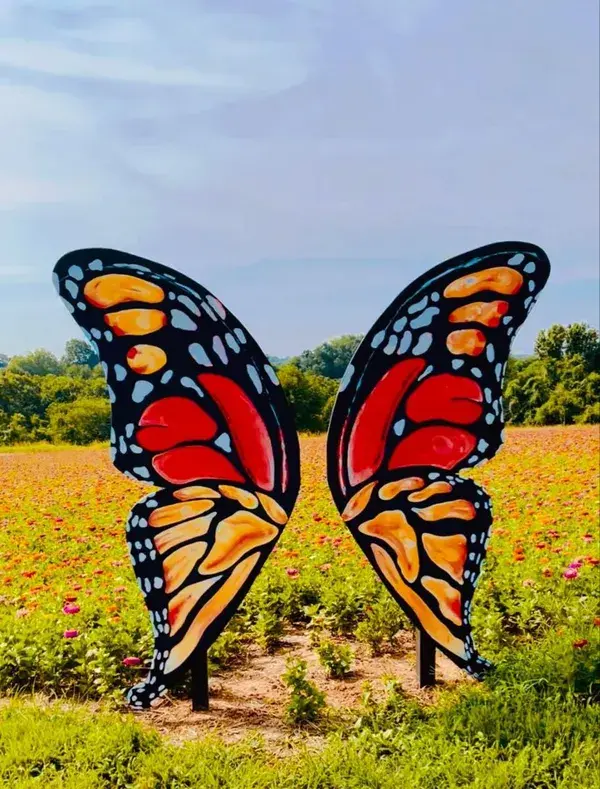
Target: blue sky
{"points": [[305, 160]]}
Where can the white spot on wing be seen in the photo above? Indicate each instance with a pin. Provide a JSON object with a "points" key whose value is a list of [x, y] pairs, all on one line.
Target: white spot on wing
{"points": [[141, 390], [254, 377]]}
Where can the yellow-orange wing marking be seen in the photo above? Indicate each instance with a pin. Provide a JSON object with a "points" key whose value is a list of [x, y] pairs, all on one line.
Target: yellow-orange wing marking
{"points": [[457, 508], [182, 603], [109, 290], [174, 513], [196, 492], [146, 359], [358, 502], [429, 621], [209, 612], [179, 564], [136, 322], [447, 596], [448, 552], [391, 489], [500, 279], [487, 313], [243, 497], [234, 536], [273, 510], [393, 528], [431, 490], [189, 530], [466, 341]]}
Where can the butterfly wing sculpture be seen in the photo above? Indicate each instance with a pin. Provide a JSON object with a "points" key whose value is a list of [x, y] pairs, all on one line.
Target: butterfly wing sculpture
{"points": [[197, 410], [419, 402]]}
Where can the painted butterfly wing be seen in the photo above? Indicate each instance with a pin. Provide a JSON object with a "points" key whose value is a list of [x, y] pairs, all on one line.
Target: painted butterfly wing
{"points": [[197, 410], [419, 402]]}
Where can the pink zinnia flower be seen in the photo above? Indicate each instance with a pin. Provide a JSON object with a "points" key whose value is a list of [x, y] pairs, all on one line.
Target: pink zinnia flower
{"points": [[131, 661], [70, 633], [292, 572], [70, 608], [570, 573], [576, 564]]}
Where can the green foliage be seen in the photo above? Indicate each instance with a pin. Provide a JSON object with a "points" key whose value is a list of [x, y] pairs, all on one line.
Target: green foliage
{"points": [[306, 700], [82, 421], [39, 362], [79, 352], [383, 620], [330, 358], [310, 396], [337, 659]]}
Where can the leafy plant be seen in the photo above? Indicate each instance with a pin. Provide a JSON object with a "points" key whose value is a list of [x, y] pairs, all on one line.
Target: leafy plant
{"points": [[306, 700], [337, 659]]}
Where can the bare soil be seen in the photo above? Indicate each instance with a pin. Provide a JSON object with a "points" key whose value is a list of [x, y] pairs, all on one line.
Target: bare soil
{"points": [[251, 698]]}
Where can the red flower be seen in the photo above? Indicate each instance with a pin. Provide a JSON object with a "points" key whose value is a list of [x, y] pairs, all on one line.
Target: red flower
{"points": [[292, 572], [132, 661], [581, 643]]}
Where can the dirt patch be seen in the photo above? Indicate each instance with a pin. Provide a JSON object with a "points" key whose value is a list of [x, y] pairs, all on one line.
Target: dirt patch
{"points": [[252, 698]]}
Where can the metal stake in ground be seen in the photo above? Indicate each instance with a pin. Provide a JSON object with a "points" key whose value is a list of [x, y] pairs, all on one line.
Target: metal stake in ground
{"points": [[425, 660], [200, 682]]}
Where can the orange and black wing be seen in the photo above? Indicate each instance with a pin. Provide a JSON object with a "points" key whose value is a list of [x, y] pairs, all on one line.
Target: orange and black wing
{"points": [[420, 401], [196, 410]]}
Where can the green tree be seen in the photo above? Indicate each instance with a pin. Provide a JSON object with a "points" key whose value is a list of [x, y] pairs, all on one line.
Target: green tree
{"points": [[39, 362], [81, 422], [308, 395], [577, 339], [331, 358], [79, 352], [20, 393]]}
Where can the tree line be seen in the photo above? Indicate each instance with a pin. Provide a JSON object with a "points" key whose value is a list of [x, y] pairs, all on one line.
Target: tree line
{"points": [[64, 400]]}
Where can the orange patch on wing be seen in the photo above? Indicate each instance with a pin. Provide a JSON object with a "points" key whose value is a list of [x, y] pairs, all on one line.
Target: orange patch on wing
{"points": [[358, 502], [244, 497], [447, 596], [135, 322], [430, 623], [466, 341], [196, 492], [393, 528], [179, 564], [391, 489], [487, 313], [273, 510], [182, 603], [190, 530], [209, 612], [431, 490], [111, 289], [457, 508], [234, 536], [448, 552], [500, 279], [174, 513], [146, 359]]}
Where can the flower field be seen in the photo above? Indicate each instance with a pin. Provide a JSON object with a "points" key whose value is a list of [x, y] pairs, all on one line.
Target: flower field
{"points": [[72, 621]]}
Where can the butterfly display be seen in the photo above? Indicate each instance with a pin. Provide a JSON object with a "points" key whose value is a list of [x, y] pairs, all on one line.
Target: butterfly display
{"points": [[420, 401], [197, 411]]}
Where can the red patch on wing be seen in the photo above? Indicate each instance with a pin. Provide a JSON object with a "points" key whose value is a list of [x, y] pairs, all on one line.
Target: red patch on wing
{"points": [[248, 431], [182, 465], [367, 439], [174, 420], [440, 446], [453, 398]]}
